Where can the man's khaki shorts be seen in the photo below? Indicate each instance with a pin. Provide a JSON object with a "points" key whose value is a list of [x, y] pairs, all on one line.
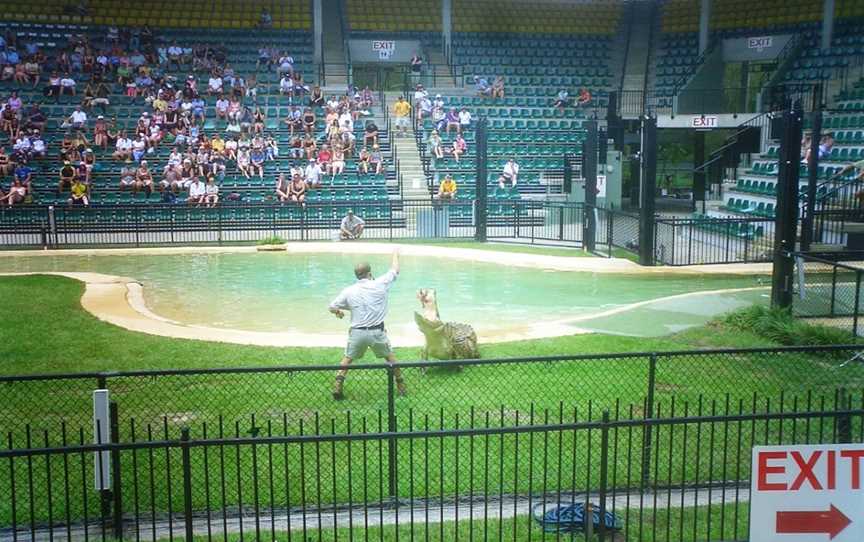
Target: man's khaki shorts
{"points": [[361, 339]]}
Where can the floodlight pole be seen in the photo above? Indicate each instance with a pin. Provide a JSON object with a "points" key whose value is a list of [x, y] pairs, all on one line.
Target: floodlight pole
{"points": [[786, 223]]}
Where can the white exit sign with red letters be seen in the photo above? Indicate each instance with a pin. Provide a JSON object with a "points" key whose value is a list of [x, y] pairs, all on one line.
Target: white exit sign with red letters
{"points": [[807, 493]]}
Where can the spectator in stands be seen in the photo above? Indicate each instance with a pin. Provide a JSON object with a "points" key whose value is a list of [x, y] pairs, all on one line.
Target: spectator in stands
{"points": [[100, 133], [313, 174], [348, 141], [211, 192], [351, 226], [67, 85], [222, 107], [286, 64], [325, 157], [401, 110], [509, 174], [123, 147], [286, 86], [127, 177], [197, 192], [77, 120], [39, 148], [96, 93], [419, 94], [282, 188], [256, 160], [460, 147], [447, 188], [67, 176], [6, 165], [338, 165], [363, 161], [258, 118], [143, 178], [9, 122], [497, 90], [424, 109], [370, 133], [297, 190], [36, 118], [562, 100], [309, 120], [416, 65], [243, 162], [294, 120], [452, 119], [481, 85], [78, 193], [33, 71], [53, 89], [584, 98], [434, 145], [139, 147], [464, 119], [17, 193], [316, 97], [825, 146], [24, 174], [376, 160]]}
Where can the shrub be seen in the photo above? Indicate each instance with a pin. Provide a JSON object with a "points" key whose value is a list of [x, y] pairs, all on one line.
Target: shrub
{"points": [[781, 326]]}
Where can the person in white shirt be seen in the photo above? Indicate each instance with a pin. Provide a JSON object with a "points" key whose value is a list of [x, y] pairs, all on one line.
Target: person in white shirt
{"points": [[123, 148], [509, 174], [197, 192], [175, 52], [67, 85], [211, 192], [464, 119], [286, 85], [366, 299], [313, 173], [214, 85], [286, 64], [77, 120], [346, 120]]}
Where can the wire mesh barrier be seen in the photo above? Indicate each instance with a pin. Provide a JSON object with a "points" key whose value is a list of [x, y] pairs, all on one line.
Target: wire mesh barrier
{"points": [[693, 241], [828, 291], [682, 473]]}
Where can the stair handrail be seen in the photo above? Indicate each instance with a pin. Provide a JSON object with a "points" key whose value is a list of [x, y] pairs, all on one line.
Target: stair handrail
{"points": [[759, 120], [629, 23], [682, 82]]}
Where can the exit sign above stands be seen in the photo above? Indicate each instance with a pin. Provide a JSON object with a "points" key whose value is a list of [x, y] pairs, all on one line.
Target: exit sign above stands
{"points": [[761, 43], [705, 122], [807, 493]]}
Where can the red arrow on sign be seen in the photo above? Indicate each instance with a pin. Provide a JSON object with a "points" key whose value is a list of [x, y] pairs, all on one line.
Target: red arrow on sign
{"points": [[830, 522]]}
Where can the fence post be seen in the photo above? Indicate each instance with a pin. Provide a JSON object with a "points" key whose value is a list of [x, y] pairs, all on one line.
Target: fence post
{"points": [[843, 421], [391, 428], [857, 303], [604, 474], [609, 230], [187, 483], [648, 414], [117, 486]]}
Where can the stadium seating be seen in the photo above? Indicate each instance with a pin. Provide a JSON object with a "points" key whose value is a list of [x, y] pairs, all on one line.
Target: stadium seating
{"points": [[286, 14], [507, 16], [390, 16]]}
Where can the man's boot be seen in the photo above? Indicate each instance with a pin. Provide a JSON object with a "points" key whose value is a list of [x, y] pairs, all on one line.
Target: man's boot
{"points": [[337, 388], [400, 387]]}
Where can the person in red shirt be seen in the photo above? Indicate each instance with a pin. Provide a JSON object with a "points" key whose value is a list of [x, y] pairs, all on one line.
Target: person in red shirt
{"points": [[584, 98], [325, 158]]}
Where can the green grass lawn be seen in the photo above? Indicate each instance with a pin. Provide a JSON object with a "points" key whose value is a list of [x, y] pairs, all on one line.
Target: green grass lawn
{"points": [[50, 333]]}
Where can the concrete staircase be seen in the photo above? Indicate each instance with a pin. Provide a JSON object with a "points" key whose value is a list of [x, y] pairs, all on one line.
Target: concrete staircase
{"points": [[640, 18], [441, 75], [335, 59], [414, 185]]}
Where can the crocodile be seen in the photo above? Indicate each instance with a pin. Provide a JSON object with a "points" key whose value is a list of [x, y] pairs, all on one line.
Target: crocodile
{"points": [[444, 340]]}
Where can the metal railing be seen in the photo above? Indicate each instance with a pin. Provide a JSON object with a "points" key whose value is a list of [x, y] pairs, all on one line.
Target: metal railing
{"points": [[709, 240], [829, 290], [675, 447]]}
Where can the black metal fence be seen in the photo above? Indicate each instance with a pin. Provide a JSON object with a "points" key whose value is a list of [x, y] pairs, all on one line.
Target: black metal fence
{"points": [[681, 472], [828, 290], [709, 240]]}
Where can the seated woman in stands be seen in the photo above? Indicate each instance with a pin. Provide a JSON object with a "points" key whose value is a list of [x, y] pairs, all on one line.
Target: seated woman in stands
{"points": [[6, 166], [435, 145], [460, 147], [211, 192], [498, 88], [316, 97], [338, 165], [584, 97], [325, 158], [309, 122], [297, 191], [282, 188], [143, 178], [376, 160], [258, 120], [100, 133], [310, 147], [256, 162], [363, 161], [16, 194], [243, 163], [452, 119], [562, 100]]}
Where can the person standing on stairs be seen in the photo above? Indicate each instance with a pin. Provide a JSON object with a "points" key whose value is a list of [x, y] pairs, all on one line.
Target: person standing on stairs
{"points": [[402, 110]]}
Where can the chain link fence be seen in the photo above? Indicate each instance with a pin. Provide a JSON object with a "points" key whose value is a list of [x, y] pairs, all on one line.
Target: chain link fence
{"points": [[828, 291]]}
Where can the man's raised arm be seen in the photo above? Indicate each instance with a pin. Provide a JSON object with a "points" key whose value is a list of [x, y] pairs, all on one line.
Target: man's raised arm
{"points": [[394, 266]]}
